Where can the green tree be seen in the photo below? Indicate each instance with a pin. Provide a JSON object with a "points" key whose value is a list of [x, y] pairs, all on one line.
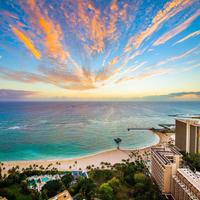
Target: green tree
{"points": [[67, 179], [24, 187], [44, 195], [35, 195], [114, 183], [139, 188], [139, 177], [8, 195], [193, 160], [53, 187], [106, 191], [87, 189]]}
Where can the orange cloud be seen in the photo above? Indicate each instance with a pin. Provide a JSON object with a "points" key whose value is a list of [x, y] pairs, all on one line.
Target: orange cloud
{"points": [[93, 26], [114, 61], [65, 80], [167, 36], [106, 73], [170, 9], [27, 42], [123, 12], [25, 77], [94, 29], [91, 23], [51, 31], [189, 36]]}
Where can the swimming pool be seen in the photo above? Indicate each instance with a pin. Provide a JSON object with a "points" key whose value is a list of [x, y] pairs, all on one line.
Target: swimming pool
{"points": [[45, 179]]}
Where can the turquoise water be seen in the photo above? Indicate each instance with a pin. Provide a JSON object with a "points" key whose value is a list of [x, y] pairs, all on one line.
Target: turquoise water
{"points": [[51, 130], [45, 179]]}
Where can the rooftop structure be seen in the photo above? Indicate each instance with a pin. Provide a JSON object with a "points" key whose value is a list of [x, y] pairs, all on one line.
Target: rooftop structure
{"points": [[186, 185], [187, 137], [65, 195], [165, 162]]}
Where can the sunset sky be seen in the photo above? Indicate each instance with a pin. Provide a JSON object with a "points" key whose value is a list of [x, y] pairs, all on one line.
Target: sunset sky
{"points": [[99, 49]]}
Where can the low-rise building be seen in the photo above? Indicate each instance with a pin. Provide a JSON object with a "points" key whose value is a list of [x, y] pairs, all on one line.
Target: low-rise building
{"points": [[165, 162], [185, 185]]}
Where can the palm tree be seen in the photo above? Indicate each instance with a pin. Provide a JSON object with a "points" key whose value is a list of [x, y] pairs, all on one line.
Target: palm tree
{"points": [[118, 141]]}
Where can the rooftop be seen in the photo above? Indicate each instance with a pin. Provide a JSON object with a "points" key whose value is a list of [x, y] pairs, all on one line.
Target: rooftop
{"points": [[195, 122], [62, 196], [166, 154], [192, 177]]}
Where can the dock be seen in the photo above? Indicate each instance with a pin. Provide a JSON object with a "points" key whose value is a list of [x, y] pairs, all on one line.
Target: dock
{"points": [[139, 129], [167, 126]]}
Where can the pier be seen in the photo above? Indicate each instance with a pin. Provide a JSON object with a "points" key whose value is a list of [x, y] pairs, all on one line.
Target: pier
{"points": [[167, 126], [139, 129]]}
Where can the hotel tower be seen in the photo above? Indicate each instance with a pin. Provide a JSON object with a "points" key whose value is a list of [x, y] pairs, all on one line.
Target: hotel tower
{"points": [[187, 136]]}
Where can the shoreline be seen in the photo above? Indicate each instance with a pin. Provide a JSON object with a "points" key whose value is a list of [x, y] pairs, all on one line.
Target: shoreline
{"points": [[80, 163], [90, 154]]}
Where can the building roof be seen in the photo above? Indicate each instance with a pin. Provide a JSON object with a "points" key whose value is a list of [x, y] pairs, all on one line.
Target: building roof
{"points": [[195, 122], [166, 154], [192, 177], [62, 196]]}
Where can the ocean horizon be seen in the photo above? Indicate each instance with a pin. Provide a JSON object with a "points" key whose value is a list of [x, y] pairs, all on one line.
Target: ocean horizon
{"points": [[52, 130]]}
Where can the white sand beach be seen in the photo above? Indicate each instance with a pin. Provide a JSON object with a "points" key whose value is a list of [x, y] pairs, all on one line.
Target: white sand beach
{"points": [[111, 156]]}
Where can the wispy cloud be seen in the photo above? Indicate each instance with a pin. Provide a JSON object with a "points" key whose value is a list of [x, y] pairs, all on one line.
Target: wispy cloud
{"points": [[95, 27], [67, 80], [81, 45], [114, 61], [167, 36], [51, 31], [107, 73], [27, 42], [170, 9], [178, 57], [145, 75], [191, 67], [196, 33]]}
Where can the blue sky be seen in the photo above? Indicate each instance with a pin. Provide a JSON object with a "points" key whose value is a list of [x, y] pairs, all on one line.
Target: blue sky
{"points": [[84, 49]]}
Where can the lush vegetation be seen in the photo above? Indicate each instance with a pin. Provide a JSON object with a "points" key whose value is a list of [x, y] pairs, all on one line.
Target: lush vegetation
{"points": [[128, 181], [15, 187], [192, 160]]}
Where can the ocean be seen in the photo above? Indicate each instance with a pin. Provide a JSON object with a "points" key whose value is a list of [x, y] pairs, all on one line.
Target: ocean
{"points": [[52, 130]]}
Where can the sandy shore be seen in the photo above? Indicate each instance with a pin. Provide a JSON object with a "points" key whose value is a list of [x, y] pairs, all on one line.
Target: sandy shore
{"points": [[111, 156]]}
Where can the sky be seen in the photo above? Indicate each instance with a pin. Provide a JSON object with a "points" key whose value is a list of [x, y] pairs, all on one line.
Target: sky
{"points": [[99, 50]]}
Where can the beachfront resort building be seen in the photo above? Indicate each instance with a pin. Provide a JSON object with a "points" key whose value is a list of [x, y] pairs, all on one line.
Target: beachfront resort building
{"points": [[185, 185], [187, 137], [165, 162], [65, 195]]}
